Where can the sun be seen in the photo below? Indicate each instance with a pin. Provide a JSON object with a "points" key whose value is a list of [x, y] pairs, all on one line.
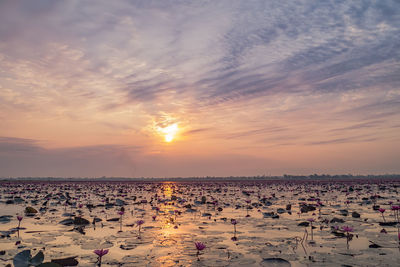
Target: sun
{"points": [[169, 132]]}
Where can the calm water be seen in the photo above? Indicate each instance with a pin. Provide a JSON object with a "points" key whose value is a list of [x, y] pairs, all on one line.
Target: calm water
{"points": [[176, 215]]}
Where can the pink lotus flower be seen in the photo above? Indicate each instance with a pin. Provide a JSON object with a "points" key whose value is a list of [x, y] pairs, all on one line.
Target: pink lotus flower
{"points": [[382, 211], [19, 218], [199, 246], [347, 229], [100, 253], [234, 222]]}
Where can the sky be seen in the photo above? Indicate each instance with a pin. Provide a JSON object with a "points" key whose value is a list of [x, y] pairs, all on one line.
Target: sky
{"points": [[199, 88]]}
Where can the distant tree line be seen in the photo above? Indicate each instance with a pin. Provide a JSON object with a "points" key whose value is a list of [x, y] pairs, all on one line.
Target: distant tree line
{"points": [[288, 177]]}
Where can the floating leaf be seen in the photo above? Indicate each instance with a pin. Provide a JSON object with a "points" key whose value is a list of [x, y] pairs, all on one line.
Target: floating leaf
{"points": [[30, 210], [22, 259], [275, 262], [38, 259], [67, 222], [49, 264], [71, 261]]}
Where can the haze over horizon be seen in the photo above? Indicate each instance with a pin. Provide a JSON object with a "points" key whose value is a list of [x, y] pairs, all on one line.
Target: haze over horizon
{"points": [[199, 88]]}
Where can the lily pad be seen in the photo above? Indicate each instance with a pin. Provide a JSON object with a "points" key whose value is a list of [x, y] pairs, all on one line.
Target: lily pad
{"points": [[70, 261], [51, 264], [24, 259], [30, 210], [275, 262]]}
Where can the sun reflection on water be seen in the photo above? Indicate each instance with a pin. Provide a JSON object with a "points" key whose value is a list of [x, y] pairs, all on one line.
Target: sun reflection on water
{"points": [[167, 189]]}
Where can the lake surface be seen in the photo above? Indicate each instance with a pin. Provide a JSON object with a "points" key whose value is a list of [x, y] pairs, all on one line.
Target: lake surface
{"points": [[273, 222]]}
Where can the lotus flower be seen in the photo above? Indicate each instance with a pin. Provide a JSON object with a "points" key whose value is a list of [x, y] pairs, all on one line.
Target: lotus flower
{"points": [[347, 229], [382, 211], [100, 253], [234, 222], [199, 246], [19, 218]]}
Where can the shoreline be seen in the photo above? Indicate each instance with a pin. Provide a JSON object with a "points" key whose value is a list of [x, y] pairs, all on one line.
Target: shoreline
{"points": [[370, 178]]}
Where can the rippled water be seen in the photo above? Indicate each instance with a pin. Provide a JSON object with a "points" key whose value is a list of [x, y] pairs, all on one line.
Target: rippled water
{"points": [[201, 212]]}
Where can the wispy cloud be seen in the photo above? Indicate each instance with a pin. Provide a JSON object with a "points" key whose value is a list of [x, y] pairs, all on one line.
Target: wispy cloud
{"points": [[350, 139], [357, 126], [196, 131]]}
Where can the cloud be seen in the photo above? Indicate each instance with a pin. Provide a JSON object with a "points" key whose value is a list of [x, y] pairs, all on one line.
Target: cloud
{"points": [[146, 58], [357, 126], [19, 145], [25, 157], [262, 131], [196, 131], [243, 73], [350, 139]]}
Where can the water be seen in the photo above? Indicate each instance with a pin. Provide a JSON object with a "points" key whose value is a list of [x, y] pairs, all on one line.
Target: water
{"points": [[192, 212]]}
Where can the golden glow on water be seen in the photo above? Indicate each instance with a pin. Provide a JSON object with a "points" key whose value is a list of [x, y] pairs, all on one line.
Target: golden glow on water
{"points": [[167, 189], [168, 208]]}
